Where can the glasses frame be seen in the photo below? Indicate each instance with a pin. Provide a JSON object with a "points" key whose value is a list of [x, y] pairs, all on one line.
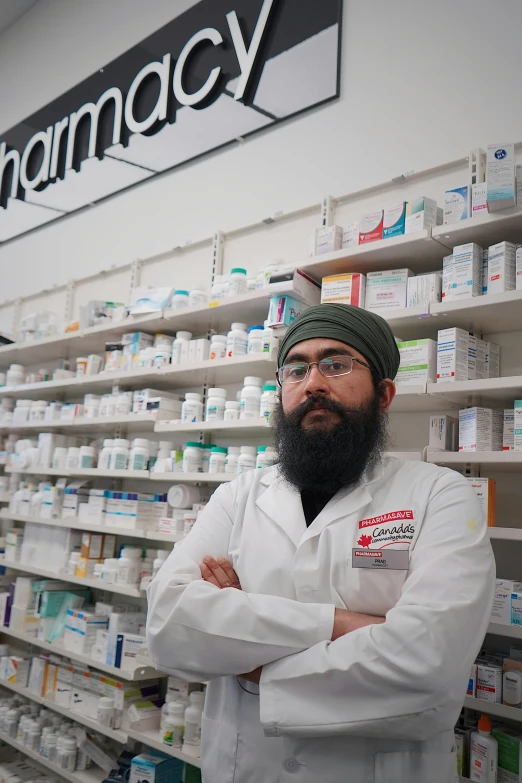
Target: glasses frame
{"points": [[309, 366]]}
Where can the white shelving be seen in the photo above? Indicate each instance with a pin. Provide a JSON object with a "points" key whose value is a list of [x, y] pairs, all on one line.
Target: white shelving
{"points": [[193, 478], [151, 738], [231, 428], [490, 391], [489, 460], [136, 422], [5, 497], [512, 631], [491, 708], [486, 230], [485, 314], [79, 472], [98, 584], [144, 672], [505, 533]]}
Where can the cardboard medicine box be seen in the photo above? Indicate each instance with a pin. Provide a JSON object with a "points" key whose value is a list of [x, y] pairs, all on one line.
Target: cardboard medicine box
{"points": [[452, 355], [418, 363], [387, 290], [348, 288]]}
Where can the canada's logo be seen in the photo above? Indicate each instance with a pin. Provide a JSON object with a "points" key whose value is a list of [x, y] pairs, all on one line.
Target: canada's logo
{"points": [[365, 541]]}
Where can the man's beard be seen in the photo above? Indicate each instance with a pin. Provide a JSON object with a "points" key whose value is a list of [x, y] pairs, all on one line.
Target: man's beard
{"points": [[329, 458]]}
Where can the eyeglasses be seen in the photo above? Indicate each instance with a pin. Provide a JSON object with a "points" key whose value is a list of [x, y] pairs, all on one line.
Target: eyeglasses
{"points": [[332, 367]]}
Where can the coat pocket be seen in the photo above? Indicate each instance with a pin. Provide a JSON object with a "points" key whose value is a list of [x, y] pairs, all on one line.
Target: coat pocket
{"points": [[412, 767], [218, 751]]}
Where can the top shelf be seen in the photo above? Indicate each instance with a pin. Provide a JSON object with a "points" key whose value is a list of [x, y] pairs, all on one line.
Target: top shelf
{"points": [[486, 230]]}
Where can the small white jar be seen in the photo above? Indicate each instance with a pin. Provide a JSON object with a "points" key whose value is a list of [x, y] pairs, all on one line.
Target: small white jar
{"points": [[104, 459], [266, 457], [180, 299], [237, 340], [81, 366], [59, 460], [66, 755], [157, 563], [73, 458], [197, 297], [250, 400], [205, 456], [231, 461], [237, 283], [106, 712], [192, 408], [232, 409], [120, 454], [255, 339], [163, 350], [189, 519], [215, 408], [180, 347], [247, 459], [139, 454], [218, 346], [192, 458], [87, 456], [218, 456], [129, 567], [123, 404], [268, 401]]}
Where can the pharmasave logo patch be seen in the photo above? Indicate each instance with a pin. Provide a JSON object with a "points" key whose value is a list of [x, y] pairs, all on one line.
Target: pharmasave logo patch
{"points": [[383, 531]]}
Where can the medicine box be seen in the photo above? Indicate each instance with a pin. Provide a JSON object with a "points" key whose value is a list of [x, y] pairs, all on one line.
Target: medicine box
{"points": [[299, 284], [452, 355], [519, 268], [371, 226], [508, 435], [85, 567], [394, 220], [349, 288], [489, 683], [444, 433], [509, 763], [492, 361], [516, 608], [479, 203], [448, 278], [486, 492], [472, 358], [18, 670], [154, 769], [500, 176], [517, 423], [387, 290], [421, 213], [128, 645], [351, 235], [465, 272], [472, 682], [283, 310], [92, 545], [424, 289], [418, 362], [501, 267], [457, 204], [485, 271], [326, 239], [480, 429]]}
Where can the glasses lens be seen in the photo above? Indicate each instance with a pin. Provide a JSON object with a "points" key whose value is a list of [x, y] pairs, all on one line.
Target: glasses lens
{"points": [[293, 373], [336, 365]]}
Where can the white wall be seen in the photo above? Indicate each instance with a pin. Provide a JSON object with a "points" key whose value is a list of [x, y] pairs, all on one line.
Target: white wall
{"points": [[421, 84]]}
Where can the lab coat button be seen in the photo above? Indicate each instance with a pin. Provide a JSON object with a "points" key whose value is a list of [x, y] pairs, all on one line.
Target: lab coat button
{"points": [[307, 590], [291, 765]]}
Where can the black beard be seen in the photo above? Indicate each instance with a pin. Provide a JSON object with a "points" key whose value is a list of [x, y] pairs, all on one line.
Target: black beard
{"points": [[329, 459]]}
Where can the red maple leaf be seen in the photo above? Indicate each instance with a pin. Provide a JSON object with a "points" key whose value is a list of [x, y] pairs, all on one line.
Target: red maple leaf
{"points": [[365, 541]]}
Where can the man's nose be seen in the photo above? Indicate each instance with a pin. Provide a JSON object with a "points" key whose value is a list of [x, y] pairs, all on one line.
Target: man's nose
{"points": [[316, 382]]}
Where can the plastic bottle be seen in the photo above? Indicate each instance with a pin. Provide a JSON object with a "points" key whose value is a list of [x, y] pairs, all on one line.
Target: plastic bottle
{"points": [[163, 350], [218, 456], [161, 556], [232, 410], [183, 496], [139, 454], [192, 457], [193, 713], [237, 340], [215, 408], [180, 347], [231, 462], [251, 398], [105, 713], [129, 566], [263, 276], [189, 519], [266, 457], [206, 448], [268, 339], [247, 459], [237, 283], [123, 404], [120, 454], [10, 724], [173, 725], [484, 753], [255, 339], [197, 297], [87, 456], [104, 458], [268, 401], [218, 346], [73, 458], [180, 299], [66, 756], [50, 747], [192, 408]]}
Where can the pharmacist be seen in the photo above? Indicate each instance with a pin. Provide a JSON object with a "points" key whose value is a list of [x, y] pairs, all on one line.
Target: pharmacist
{"points": [[335, 602]]}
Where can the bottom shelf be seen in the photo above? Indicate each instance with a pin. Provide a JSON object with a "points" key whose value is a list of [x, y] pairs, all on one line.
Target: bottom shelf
{"points": [[93, 775]]}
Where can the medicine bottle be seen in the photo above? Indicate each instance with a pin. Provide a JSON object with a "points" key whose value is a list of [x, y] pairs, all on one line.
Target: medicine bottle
{"points": [[250, 398], [163, 350], [73, 458], [215, 409], [182, 496], [237, 340], [87, 456], [218, 456], [104, 459], [59, 460], [180, 299], [205, 456], [192, 408], [237, 283], [189, 519], [255, 339], [50, 747], [193, 713], [10, 724], [66, 756], [180, 347], [106, 712], [120, 454], [139, 454], [161, 556], [129, 566], [269, 341], [484, 752], [173, 725], [268, 401], [231, 462], [123, 404], [192, 458], [232, 409], [218, 346], [247, 459], [197, 297]]}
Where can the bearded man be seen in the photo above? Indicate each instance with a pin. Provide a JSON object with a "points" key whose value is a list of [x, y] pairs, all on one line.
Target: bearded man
{"points": [[336, 601]]}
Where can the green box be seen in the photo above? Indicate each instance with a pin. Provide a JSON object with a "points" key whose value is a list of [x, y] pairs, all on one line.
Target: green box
{"points": [[509, 755]]}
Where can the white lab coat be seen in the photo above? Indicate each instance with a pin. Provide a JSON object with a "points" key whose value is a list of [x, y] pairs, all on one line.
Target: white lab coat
{"points": [[379, 704]]}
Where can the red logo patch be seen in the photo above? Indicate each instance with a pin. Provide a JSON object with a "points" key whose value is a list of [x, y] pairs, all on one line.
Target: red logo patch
{"points": [[391, 516], [365, 541]]}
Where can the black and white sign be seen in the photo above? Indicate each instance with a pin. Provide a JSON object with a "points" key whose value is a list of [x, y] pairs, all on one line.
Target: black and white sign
{"points": [[221, 71]]}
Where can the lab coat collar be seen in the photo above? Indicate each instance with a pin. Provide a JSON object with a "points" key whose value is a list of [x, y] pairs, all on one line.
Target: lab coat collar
{"points": [[282, 503]]}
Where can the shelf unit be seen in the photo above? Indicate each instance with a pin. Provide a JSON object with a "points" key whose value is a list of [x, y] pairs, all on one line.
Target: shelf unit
{"points": [[500, 710], [138, 422], [151, 738], [511, 631], [230, 428], [490, 391], [489, 460], [80, 472], [505, 533]]}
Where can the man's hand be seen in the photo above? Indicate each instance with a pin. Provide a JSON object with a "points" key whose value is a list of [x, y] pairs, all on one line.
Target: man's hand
{"points": [[219, 572], [346, 622], [254, 676]]}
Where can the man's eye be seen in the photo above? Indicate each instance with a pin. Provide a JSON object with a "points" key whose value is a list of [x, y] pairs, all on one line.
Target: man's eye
{"points": [[338, 365], [295, 372]]}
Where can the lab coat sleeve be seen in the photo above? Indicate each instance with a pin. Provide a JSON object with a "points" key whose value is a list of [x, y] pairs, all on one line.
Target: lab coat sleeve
{"points": [[197, 631], [406, 678]]}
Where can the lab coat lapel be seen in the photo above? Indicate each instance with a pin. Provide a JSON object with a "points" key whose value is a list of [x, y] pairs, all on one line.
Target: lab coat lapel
{"points": [[345, 503], [283, 505]]}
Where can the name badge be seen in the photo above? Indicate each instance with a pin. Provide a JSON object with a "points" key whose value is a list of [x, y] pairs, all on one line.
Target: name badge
{"points": [[392, 559]]}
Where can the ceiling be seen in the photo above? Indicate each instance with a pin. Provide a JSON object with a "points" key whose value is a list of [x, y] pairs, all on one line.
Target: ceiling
{"points": [[12, 10]]}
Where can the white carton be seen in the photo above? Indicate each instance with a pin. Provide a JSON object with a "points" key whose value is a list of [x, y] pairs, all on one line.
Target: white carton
{"points": [[485, 271], [457, 204], [394, 220], [508, 436], [387, 290], [326, 239], [449, 282], [480, 359], [517, 434], [500, 176], [519, 268], [452, 355], [418, 362], [444, 433], [486, 491], [472, 358], [501, 611], [424, 289], [501, 267], [492, 361], [489, 683], [371, 226], [467, 270], [421, 213], [351, 236], [480, 429], [479, 202], [516, 608], [344, 289]]}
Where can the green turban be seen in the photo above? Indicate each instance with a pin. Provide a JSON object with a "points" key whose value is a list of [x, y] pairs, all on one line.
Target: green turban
{"points": [[367, 332]]}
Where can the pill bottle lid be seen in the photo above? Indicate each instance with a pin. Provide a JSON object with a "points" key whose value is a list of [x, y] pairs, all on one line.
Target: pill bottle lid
{"points": [[251, 380], [142, 443], [484, 723], [195, 396], [238, 270], [217, 393], [219, 338], [175, 708], [122, 443], [166, 445], [232, 405], [218, 450], [248, 450], [261, 448], [254, 328], [106, 702], [192, 444], [233, 450], [197, 697], [180, 291], [269, 387], [69, 744], [238, 327], [162, 554], [108, 443], [183, 335]]}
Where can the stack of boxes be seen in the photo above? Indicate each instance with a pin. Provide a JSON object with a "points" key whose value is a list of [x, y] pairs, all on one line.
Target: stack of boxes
{"points": [[465, 357], [95, 547]]}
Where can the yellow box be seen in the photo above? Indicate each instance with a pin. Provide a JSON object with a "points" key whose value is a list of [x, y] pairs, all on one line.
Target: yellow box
{"points": [[85, 567], [348, 288]]}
